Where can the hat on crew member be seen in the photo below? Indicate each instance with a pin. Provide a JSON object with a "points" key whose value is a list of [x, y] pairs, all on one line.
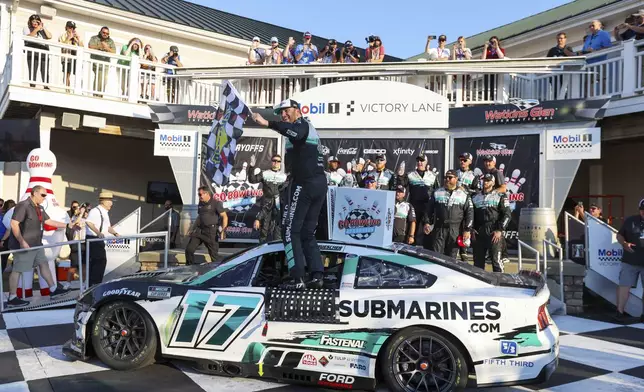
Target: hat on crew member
{"points": [[381, 157], [466, 156], [642, 204], [489, 158], [489, 177], [361, 161], [400, 188], [285, 104], [369, 179], [451, 172], [274, 39], [421, 157], [333, 159]]}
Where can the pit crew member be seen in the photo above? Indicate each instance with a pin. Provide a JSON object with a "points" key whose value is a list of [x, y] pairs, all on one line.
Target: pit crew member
{"points": [[469, 181], [449, 209], [303, 195], [383, 176], [491, 217], [404, 218], [489, 166], [336, 176], [268, 220]]}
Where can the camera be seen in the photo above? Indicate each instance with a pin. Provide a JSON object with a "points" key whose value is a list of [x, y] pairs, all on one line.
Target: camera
{"points": [[370, 38]]}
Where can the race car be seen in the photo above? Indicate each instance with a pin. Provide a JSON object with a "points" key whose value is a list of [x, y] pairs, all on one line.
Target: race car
{"points": [[402, 315]]}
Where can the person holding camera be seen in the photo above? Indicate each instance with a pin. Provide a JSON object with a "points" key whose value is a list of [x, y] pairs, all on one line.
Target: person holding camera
{"points": [[288, 55], [349, 53], [256, 55], [172, 58], [77, 231], [331, 53], [69, 37], [148, 78], [104, 43], [460, 51], [440, 53], [36, 59], [375, 51], [306, 53]]}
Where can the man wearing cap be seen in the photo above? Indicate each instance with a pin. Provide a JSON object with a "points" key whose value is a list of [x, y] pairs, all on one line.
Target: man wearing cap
{"points": [[268, 221], [98, 225], [304, 193], [449, 209], [489, 166], [306, 53], [631, 237], [211, 214], [420, 185], [336, 176], [370, 183], [256, 55], [384, 177], [274, 54], [596, 212], [491, 217], [404, 219], [469, 181], [349, 53], [330, 54]]}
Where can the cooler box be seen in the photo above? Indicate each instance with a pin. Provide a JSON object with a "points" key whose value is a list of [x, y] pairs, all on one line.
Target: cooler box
{"points": [[361, 216], [62, 268]]}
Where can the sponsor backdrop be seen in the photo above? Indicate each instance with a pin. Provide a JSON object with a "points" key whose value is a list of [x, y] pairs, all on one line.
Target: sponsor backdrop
{"points": [[362, 216], [241, 198], [605, 253], [582, 143], [397, 151], [518, 157]]}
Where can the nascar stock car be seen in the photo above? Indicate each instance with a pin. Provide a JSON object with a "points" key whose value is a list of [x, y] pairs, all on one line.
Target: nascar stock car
{"points": [[402, 315]]}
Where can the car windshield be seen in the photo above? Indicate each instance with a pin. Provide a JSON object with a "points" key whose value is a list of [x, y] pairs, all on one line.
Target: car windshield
{"points": [[207, 271]]}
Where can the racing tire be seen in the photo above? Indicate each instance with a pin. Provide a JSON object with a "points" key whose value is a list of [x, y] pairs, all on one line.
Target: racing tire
{"points": [[124, 336], [421, 360]]}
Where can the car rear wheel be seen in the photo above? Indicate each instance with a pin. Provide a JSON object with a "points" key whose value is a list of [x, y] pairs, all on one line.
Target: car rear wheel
{"points": [[124, 337], [420, 360]]}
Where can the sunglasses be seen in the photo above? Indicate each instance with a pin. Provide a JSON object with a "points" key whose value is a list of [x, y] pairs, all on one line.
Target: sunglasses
{"points": [[276, 160], [380, 160], [593, 208], [449, 177], [369, 181], [43, 195], [463, 160]]}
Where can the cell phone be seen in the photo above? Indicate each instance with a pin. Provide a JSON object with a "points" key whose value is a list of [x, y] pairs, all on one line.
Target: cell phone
{"points": [[432, 37]]}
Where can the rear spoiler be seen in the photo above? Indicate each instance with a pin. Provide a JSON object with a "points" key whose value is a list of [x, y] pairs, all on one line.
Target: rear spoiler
{"points": [[525, 279], [535, 275]]}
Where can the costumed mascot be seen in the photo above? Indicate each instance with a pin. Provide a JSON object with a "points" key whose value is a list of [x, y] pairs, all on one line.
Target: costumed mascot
{"points": [[41, 164]]}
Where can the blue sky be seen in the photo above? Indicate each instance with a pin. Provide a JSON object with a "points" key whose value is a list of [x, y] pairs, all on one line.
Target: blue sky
{"points": [[403, 26]]}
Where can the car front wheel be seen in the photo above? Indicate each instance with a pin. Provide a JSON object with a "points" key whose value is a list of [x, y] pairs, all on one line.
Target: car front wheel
{"points": [[124, 337], [420, 360]]}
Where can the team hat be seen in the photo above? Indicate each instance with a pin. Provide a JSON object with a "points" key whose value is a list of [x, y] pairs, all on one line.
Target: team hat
{"points": [[451, 173], [489, 158], [489, 177], [274, 39], [381, 157], [333, 159], [285, 104], [400, 188], [421, 157], [369, 179], [466, 156]]}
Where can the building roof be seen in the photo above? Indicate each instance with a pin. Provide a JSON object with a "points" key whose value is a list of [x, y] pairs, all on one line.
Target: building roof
{"points": [[533, 22], [209, 19]]}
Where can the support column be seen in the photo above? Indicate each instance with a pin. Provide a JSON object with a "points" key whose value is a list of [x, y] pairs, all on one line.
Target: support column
{"points": [[47, 122]]}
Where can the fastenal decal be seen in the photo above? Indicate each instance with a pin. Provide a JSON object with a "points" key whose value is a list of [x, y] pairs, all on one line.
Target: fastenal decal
{"points": [[326, 340], [159, 292], [402, 309], [122, 291]]}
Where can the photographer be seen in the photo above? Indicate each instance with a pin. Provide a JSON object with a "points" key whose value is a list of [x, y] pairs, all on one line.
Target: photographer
{"points": [[69, 37], [349, 53], [256, 55], [331, 53], [441, 53], [288, 55], [492, 50], [460, 51], [274, 54], [36, 29], [172, 58], [375, 52], [101, 42], [148, 78], [77, 231], [306, 53]]}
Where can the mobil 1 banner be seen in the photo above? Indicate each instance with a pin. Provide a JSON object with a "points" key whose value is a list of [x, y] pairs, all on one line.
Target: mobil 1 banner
{"points": [[240, 197], [397, 151], [518, 158]]}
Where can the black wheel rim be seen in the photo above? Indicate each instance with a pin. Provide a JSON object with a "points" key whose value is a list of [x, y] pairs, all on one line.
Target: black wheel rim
{"points": [[424, 364], [123, 333]]}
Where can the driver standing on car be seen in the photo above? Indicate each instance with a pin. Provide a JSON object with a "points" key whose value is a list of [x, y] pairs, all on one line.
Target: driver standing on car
{"points": [[304, 193], [205, 228], [491, 217], [268, 219], [449, 209]]}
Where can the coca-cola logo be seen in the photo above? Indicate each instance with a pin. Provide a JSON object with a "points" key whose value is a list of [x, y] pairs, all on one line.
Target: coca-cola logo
{"points": [[348, 151]]}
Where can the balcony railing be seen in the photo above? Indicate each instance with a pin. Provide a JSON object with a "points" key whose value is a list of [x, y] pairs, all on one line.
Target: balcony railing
{"points": [[615, 71]]}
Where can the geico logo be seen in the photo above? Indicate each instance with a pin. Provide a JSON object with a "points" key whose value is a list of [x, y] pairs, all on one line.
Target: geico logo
{"points": [[491, 327], [374, 151], [339, 378], [250, 147]]}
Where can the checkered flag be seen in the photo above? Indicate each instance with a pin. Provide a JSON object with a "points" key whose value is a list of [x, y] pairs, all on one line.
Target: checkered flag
{"points": [[226, 129]]}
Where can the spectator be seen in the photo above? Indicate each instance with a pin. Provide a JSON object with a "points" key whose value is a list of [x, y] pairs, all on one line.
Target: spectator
{"points": [[131, 49], [492, 50], [27, 222], [376, 52], [4, 231], [99, 225], [460, 51], [148, 77], [256, 55], [440, 53], [306, 53], [288, 56], [370, 182], [101, 42], [631, 240], [349, 53], [274, 54], [174, 224], [72, 208], [172, 58], [561, 50], [633, 27], [69, 37], [331, 53], [598, 39], [37, 59], [78, 227], [596, 212], [1, 203]]}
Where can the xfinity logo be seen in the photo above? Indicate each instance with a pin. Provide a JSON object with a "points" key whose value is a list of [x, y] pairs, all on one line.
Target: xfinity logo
{"points": [[374, 151], [250, 147], [406, 151], [348, 151]]}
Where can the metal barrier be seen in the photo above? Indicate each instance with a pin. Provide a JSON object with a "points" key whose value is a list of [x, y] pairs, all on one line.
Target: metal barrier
{"points": [[169, 213], [80, 265], [165, 234], [545, 267], [522, 244]]}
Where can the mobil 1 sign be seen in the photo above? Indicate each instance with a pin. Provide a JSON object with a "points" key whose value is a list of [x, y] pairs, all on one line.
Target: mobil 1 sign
{"points": [[573, 143], [175, 143], [373, 104]]}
